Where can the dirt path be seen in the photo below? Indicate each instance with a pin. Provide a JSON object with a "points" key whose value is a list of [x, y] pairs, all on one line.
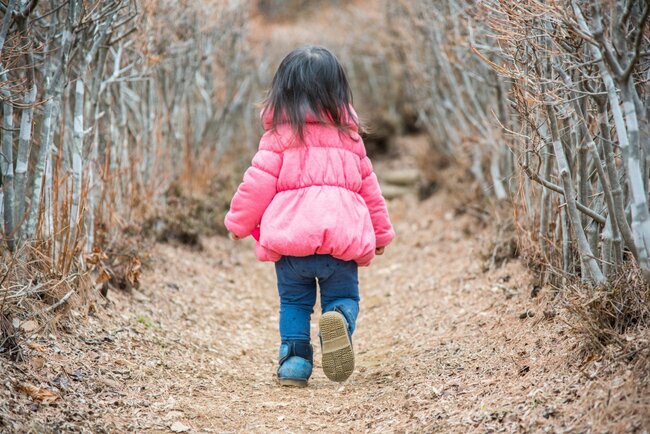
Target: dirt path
{"points": [[440, 347]]}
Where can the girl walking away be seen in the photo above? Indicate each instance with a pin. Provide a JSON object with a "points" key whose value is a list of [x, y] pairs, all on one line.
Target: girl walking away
{"points": [[313, 203]]}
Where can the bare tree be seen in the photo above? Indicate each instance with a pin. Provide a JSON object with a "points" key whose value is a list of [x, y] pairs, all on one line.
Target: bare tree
{"points": [[569, 103], [115, 100]]}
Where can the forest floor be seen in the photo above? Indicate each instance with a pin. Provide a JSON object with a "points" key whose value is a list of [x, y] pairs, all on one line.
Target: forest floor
{"points": [[441, 344]]}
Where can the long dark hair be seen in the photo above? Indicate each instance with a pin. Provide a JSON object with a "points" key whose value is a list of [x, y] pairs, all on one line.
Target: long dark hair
{"points": [[310, 79]]}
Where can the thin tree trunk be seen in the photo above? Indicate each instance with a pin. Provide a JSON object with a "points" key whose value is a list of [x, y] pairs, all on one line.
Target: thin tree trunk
{"points": [[7, 166], [41, 161], [545, 196], [24, 146], [595, 274], [639, 198]]}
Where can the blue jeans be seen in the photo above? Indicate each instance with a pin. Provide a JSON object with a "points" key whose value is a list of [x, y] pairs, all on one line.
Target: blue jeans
{"points": [[297, 276]]}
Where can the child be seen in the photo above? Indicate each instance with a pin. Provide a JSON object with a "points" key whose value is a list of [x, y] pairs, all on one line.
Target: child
{"points": [[313, 203]]}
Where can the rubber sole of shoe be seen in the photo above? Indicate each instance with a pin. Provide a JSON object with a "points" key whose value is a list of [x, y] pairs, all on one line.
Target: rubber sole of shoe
{"points": [[292, 383], [338, 355]]}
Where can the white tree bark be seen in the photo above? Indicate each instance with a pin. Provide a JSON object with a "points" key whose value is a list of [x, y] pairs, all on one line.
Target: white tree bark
{"points": [[7, 165], [595, 274]]}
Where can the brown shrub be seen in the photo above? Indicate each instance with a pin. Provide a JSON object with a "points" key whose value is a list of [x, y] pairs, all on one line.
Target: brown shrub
{"points": [[188, 215], [617, 314]]}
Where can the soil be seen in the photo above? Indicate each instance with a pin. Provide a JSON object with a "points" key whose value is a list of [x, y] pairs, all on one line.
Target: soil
{"points": [[441, 346]]}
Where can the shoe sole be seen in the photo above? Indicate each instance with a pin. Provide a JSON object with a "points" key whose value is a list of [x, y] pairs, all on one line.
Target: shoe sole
{"points": [[292, 383], [338, 355]]}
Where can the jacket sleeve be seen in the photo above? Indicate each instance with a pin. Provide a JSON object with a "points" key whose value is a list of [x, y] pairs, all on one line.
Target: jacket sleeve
{"points": [[254, 194], [371, 193]]}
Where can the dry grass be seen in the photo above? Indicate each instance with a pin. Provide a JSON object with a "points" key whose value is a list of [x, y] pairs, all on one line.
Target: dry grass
{"points": [[610, 324], [34, 296], [502, 244], [440, 347], [613, 321], [189, 215]]}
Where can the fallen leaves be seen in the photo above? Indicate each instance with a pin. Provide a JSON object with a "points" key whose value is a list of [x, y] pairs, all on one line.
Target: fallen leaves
{"points": [[36, 347], [37, 362], [37, 393], [122, 362], [179, 427], [29, 326], [109, 383], [132, 274], [439, 352], [120, 270], [173, 415]]}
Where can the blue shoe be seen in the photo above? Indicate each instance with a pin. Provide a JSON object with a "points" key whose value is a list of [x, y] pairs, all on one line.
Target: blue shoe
{"points": [[336, 346], [296, 363]]}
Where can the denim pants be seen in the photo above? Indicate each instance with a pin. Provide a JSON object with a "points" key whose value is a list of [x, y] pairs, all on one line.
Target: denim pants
{"points": [[297, 276]]}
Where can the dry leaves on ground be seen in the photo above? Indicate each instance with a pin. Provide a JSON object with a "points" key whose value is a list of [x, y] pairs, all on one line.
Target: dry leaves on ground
{"points": [[37, 393]]}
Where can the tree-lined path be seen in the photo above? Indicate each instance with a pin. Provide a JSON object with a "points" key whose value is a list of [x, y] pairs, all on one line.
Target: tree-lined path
{"points": [[129, 121], [441, 347]]}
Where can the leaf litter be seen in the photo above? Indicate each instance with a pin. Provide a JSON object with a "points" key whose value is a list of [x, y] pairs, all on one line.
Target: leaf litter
{"points": [[37, 393], [438, 349]]}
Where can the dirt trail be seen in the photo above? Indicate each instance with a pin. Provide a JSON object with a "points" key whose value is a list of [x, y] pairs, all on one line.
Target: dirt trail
{"points": [[440, 343], [440, 347]]}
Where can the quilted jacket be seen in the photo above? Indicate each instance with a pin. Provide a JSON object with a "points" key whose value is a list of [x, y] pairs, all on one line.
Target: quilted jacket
{"points": [[313, 196]]}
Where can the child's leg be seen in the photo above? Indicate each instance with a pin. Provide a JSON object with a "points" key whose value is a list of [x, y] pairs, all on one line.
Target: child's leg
{"points": [[339, 291], [339, 288], [297, 299]]}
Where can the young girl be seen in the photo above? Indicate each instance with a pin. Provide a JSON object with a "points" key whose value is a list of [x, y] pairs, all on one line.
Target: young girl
{"points": [[313, 203]]}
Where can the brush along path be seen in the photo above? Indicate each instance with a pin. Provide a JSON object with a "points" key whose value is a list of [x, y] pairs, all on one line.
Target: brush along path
{"points": [[440, 346]]}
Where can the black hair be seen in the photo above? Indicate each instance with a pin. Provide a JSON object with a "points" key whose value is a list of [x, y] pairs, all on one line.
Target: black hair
{"points": [[310, 79]]}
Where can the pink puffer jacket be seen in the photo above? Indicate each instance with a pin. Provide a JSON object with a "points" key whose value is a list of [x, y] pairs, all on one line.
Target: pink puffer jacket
{"points": [[316, 197]]}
